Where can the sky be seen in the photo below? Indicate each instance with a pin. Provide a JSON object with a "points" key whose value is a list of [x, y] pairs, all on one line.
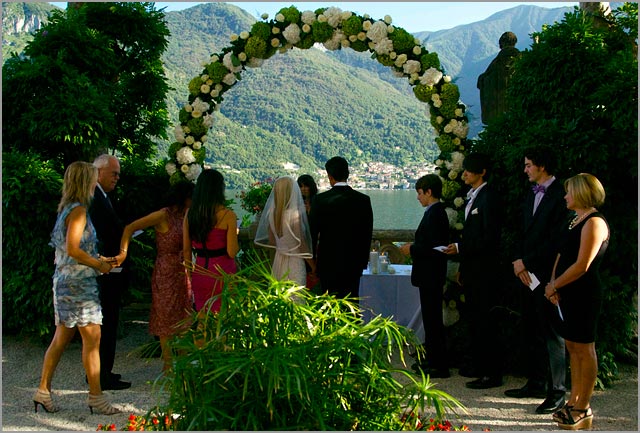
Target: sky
{"points": [[412, 16]]}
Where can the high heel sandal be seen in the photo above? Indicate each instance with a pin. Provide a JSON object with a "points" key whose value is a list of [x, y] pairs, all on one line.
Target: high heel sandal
{"points": [[43, 399], [583, 422], [101, 405], [561, 414]]}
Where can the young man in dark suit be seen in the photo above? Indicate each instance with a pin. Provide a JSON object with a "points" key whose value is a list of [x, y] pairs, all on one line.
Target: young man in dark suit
{"points": [[479, 269], [341, 221], [109, 229], [545, 214], [429, 272]]}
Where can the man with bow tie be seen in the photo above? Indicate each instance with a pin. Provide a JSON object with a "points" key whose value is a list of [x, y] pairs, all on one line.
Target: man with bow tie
{"points": [[544, 216], [479, 272]]}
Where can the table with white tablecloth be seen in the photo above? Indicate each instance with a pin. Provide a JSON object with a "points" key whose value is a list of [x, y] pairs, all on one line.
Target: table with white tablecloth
{"points": [[392, 295]]}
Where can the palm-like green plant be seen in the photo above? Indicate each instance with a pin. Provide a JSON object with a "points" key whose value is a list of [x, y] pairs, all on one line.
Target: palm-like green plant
{"points": [[278, 357]]}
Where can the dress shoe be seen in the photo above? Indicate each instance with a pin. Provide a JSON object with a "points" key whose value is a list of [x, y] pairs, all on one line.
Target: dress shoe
{"points": [[115, 385], [485, 382], [551, 404], [527, 391]]}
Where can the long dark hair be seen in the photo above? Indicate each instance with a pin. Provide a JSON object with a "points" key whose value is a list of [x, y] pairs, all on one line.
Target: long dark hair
{"points": [[207, 195], [307, 180]]}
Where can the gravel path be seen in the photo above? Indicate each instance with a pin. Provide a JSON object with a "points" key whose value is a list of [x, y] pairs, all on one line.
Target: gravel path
{"points": [[615, 409]]}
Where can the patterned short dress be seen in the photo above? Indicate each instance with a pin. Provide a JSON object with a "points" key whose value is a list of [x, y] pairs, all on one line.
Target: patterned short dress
{"points": [[76, 301]]}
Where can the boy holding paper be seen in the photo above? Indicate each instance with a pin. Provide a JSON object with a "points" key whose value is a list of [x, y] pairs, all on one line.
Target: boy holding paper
{"points": [[544, 216], [429, 271]]}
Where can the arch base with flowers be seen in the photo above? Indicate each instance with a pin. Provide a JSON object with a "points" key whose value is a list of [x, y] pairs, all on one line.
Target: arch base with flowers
{"points": [[334, 29]]}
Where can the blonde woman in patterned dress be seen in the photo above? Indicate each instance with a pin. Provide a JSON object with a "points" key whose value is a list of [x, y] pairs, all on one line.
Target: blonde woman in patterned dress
{"points": [[75, 290]]}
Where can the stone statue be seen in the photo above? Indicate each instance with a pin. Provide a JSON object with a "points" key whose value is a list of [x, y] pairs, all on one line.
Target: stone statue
{"points": [[493, 82]]}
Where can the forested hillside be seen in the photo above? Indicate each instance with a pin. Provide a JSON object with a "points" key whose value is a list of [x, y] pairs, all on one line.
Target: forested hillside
{"points": [[305, 106]]}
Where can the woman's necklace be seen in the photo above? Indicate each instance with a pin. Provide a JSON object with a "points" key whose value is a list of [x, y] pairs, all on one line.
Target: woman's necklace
{"points": [[578, 218]]}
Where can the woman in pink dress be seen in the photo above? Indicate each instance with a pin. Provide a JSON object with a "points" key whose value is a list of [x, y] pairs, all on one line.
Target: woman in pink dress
{"points": [[210, 231], [171, 296]]}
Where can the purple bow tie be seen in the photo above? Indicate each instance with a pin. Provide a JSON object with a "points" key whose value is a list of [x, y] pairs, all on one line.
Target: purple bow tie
{"points": [[539, 188]]}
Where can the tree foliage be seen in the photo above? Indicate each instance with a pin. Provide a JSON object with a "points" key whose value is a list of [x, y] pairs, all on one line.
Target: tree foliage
{"points": [[91, 80], [576, 90]]}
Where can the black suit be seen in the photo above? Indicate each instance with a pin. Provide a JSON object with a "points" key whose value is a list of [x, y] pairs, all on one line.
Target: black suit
{"points": [[538, 252], [429, 272], [109, 228], [341, 221], [480, 271]]}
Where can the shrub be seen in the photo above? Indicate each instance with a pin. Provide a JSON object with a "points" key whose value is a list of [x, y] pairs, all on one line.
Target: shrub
{"points": [[277, 357]]}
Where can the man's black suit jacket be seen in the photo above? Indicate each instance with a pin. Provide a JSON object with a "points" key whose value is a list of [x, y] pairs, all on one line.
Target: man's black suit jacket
{"points": [[480, 244], [541, 231], [108, 225], [341, 221], [430, 266]]}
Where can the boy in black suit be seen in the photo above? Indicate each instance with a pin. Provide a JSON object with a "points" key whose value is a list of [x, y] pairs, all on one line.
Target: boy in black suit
{"points": [[480, 270], [429, 272], [341, 221], [545, 214]]}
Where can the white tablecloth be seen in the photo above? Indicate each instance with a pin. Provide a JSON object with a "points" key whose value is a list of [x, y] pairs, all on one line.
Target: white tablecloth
{"points": [[392, 295]]}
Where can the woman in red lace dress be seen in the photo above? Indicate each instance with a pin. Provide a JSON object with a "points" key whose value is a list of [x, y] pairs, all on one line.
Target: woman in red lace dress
{"points": [[171, 299], [210, 230]]}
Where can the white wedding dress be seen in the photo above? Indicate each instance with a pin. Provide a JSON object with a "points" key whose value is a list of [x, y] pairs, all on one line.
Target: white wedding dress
{"points": [[292, 241]]}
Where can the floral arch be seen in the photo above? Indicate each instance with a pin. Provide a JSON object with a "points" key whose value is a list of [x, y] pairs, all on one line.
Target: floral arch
{"points": [[335, 29]]}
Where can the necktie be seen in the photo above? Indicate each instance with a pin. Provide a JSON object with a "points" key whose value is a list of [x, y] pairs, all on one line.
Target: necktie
{"points": [[539, 188]]}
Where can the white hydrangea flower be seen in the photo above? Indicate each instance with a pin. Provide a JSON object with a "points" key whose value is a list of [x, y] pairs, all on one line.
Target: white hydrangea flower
{"points": [[306, 28], [242, 56], [417, 50], [254, 62], [207, 120], [458, 201], [431, 77], [184, 168], [387, 19], [280, 18], [346, 15], [456, 159], [228, 63], [171, 168], [448, 165], [200, 105], [292, 33], [377, 32], [244, 35], [179, 134], [197, 145], [308, 17], [385, 46], [461, 129], [336, 41], [189, 140], [193, 172], [411, 67], [400, 60], [452, 214], [334, 16], [185, 155], [229, 79], [205, 89], [366, 25]]}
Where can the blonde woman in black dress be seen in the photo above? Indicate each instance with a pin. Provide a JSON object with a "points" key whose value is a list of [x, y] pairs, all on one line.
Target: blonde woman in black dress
{"points": [[576, 289]]}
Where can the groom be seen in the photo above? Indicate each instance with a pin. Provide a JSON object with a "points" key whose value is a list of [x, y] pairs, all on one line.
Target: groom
{"points": [[341, 221]]}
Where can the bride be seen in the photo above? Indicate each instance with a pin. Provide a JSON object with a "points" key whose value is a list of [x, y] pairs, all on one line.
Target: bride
{"points": [[284, 227]]}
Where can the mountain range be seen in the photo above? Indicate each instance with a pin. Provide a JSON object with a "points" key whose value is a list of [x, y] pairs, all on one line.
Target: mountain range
{"points": [[302, 107]]}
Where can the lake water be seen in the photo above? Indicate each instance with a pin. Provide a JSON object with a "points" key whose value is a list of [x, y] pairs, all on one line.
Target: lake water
{"points": [[392, 209]]}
